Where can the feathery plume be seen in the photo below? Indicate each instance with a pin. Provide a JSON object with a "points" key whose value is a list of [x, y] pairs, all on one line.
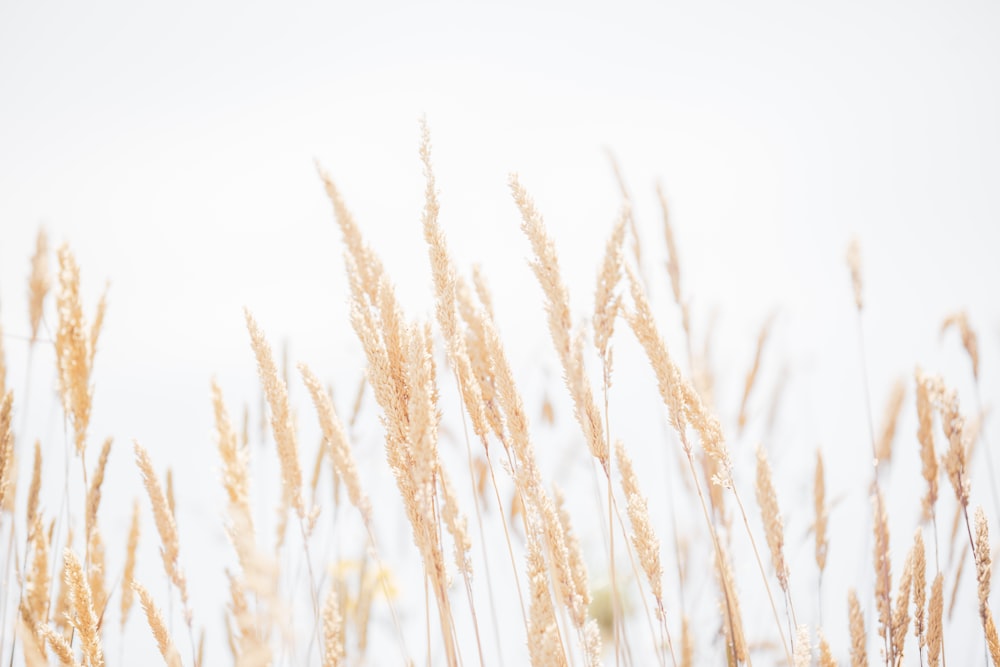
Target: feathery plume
{"points": [[276, 392], [170, 544], [647, 545], [36, 485], [854, 264], [130, 551], [6, 446], [926, 388], [901, 616], [803, 650], [94, 493], [544, 644], [983, 572], [234, 455], [960, 321], [893, 406], [336, 441], [919, 590], [38, 282], [159, 628], [819, 504], [935, 620], [84, 619], [771, 516], [751, 378], [333, 632], [75, 347], [38, 577], [859, 652], [825, 654], [606, 302], [546, 268], [59, 646], [883, 565]]}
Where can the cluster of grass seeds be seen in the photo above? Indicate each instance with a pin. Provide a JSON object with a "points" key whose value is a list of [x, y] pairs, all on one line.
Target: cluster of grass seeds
{"points": [[525, 542]]}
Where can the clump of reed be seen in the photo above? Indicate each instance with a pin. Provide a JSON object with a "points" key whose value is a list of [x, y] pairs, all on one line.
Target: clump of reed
{"points": [[528, 556]]}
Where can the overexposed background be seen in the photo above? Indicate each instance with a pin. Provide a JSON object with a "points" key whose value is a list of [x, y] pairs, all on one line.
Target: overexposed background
{"points": [[173, 148]]}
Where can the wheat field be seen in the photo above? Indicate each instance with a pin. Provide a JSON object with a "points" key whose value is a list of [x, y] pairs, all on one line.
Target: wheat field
{"points": [[440, 509]]}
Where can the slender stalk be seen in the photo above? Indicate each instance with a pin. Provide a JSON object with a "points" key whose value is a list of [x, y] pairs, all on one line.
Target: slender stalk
{"points": [[760, 566]]}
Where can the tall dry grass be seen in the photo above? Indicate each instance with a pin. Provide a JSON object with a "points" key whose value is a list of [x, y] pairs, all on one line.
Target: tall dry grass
{"points": [[510, 567]]}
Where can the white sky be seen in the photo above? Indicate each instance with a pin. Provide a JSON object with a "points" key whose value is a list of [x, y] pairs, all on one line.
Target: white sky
{"points": [[173, 146]]}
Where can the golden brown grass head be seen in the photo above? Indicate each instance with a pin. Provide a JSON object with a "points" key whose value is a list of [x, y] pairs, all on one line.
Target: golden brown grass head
{"points": [[751, 377], [960, 321], [883, 565], [6, 445], [165, 525], [887, 432], [276, 392], [926, 389], [859, 651], [39, 282], [774, 528], [158, 626], [336, 441], [333, 631], [647, 544], [546, 267], [75, 347], [94, 493], [854, 264], [935, 620], [606, 301], [544, 643], [819, 506], [129, 573], [919, 590], [84, 617]]}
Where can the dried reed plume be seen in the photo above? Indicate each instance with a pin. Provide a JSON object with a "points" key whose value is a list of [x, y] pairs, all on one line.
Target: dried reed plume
{"points": [[84, 617], [276, 391], [819, 506], [901, 615], [647, 544], [35, 487], [935, 621], [75, 347], [926, 389], [919, 590], [751, 377], [39, 283], [859, 651], [983, 572], [336, 442], [165, 525], [546, 268], [673, 265], [94, 493], [960, 321], [157, 625], [333, 631], [235, 476], [893, 406], [883, 571], [544, 643], [128, 577], [771, 516], [803, 650], [854, 264], [6, 445]]}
